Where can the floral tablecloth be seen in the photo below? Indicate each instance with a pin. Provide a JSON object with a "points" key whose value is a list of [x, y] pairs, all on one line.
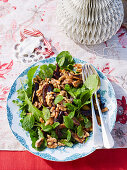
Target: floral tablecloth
{"points": [[110, 57]]}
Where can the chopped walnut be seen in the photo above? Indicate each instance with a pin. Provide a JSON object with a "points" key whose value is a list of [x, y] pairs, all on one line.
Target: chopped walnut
{"points": [[51, 142], [61, 107], [39, 142], [41, 120], [67, 81], [57, 112], [38, 104], [63, 93], [53, 114], [77, 83], [62, 86], [62, 78], [50, 121], [86, 134], [64, 72], [67, 100], [52, 110], [39, 91], [55, 83], [78, 67], [41, 85], [49, 98]]}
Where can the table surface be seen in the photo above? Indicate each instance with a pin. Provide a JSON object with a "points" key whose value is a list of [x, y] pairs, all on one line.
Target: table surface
{"points": [[110, 57], [114, 159]]}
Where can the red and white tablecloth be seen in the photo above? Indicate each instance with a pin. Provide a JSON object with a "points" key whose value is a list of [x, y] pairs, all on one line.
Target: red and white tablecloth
{"points": [[110, 57]]}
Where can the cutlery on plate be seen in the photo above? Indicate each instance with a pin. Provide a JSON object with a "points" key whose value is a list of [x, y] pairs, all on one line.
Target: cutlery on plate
{"points": [[107, 141]]}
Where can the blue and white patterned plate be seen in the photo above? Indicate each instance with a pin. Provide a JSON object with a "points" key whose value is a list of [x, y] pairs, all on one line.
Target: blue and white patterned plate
{"points": [[61, 153]]}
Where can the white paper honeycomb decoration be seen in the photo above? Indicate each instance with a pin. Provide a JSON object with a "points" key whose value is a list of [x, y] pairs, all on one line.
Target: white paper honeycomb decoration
{"points": [[90, 21]]}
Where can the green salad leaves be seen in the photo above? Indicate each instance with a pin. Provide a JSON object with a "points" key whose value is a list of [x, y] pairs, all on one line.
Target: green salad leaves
{"points": [[46, 71], [65, 60], [58, 99], [92, 83], [34, 120], [30, 75], [68, 122], [28, 122]]}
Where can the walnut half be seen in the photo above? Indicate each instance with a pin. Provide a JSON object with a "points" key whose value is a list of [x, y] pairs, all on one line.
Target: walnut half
{"points": [[51, 142]]}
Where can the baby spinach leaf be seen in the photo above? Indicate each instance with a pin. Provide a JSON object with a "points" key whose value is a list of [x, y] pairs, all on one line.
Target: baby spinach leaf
{"points": [[46, 113], [52, 66], [70, 106], [78, 102], [65, 142], [55, 125], [68, 122], [71, 114], [61, 61], [40, 133], [46, 128], [34, 136], [31, 108], [30, 75], [87, 122], [70, 90], [92, 83], [28, 122], [58, 99], [65, 60], [46, 71], [68, 135], [56, 90], [80, 131]]}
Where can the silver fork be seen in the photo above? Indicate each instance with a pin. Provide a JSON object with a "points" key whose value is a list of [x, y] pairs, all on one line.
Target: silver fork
{"points": [[107, 141]]}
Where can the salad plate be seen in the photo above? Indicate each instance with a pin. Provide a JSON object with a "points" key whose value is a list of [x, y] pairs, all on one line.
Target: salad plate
{"points": [[63, 153]]}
